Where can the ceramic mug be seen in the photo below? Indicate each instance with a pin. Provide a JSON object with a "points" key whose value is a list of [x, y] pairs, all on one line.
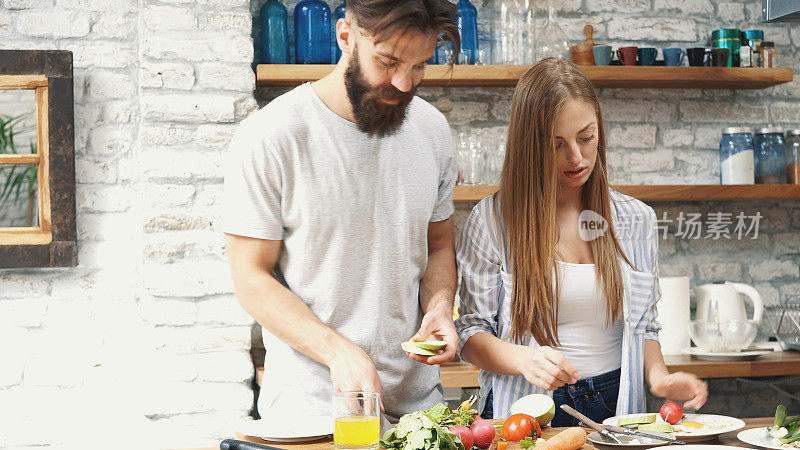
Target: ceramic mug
{"points": [[627, 55], [673, 56], [719, 57], [697, 56], [603, 55], [647, 56]]}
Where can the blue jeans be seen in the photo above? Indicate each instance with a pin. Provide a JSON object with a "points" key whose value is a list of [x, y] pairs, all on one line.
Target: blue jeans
{"points": [[594, 397]]}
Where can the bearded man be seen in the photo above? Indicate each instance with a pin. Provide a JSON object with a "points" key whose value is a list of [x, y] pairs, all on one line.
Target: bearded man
{"points": [[337, 214]]}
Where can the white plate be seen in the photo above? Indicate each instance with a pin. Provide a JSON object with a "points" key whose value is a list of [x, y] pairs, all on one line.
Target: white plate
{"points": [[706, 447], [722, 424], [601, 443], [724, 356], [758, 437], [289, 429]]}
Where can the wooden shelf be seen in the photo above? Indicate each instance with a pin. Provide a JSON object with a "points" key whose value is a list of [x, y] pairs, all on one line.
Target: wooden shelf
{"points": [[667, 193], [460, 374], [601, 76]]}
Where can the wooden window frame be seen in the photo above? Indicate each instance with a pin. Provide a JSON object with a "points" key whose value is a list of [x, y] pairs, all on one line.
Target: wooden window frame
{"points": [[53, 243]]}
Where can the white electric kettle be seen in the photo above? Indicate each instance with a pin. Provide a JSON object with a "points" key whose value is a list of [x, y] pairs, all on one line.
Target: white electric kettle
{"points": [[723, 302]]}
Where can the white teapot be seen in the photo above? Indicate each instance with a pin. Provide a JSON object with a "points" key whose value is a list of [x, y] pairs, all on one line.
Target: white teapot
{"points": [[723, 302]]}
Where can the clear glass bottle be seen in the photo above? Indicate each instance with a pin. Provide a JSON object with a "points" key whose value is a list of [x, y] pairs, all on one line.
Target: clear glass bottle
{"points": [[312, 29], [793, 156], [507, 31], [274, 33], [770, 156], [553, 41]]}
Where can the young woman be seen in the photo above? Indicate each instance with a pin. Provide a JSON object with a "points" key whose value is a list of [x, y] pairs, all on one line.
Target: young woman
{"points": [[555, 295]]}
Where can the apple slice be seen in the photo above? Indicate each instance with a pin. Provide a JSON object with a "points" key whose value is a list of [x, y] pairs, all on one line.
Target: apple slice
{"points": [[411, 348], [429, 345]]}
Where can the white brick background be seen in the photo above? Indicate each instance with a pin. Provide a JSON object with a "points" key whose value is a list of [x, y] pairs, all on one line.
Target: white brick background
{"points": [[143, 342]]}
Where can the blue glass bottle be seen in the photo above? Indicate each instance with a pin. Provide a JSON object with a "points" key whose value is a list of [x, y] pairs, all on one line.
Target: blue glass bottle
{"points": [[312, 29], [338, 13], [274, 33], [468, 29]]}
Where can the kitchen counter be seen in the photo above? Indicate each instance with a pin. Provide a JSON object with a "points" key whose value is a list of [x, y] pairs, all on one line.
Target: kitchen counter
{"points": [[725, 439], [465, 375]]}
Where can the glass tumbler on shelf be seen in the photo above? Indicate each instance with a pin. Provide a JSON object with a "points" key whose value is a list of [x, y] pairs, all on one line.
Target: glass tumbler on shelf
{"points": [[312, 29], [357, 423], [274, 33], [553, 40], [736, 160], [770, 156]]}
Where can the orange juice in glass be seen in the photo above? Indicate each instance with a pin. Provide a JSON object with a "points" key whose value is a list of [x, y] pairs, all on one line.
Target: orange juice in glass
{"points": [[357, 423]]}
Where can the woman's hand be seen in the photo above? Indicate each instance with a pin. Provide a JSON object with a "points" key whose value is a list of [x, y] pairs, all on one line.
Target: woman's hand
{"points": [[681, 386], [546, 368]]}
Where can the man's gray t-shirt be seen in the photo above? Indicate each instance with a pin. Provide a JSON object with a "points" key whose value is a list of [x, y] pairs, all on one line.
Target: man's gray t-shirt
{"points": [[353, 214]]}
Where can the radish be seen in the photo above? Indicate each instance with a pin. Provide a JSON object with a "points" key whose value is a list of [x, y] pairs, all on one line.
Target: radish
{"points": [[483, 433], [464, 434]]}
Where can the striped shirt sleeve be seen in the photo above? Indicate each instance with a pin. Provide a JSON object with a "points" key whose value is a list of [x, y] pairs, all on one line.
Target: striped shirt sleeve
{"points": [[481, 282], [651, 238]]}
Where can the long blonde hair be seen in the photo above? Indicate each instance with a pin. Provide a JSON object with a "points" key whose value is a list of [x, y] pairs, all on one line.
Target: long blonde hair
{"points": [[528, 196]]}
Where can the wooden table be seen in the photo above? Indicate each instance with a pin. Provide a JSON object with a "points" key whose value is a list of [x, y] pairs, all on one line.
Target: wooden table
{"points": [[725, 439]]}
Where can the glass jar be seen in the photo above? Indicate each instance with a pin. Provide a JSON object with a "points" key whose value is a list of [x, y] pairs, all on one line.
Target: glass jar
{"points": [[736, 161], [274, 33], [768, 54], [312, 29], [793, 156], [554, 41], [770, 156]]}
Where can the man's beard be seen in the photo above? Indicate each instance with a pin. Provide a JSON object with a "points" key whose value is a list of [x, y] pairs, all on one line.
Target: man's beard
{"points": [[374, 116]]}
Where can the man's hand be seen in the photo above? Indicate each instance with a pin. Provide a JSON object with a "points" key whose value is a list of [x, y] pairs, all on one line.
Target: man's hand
{"points": [[352, 370], [437, 325], [681, 386]]}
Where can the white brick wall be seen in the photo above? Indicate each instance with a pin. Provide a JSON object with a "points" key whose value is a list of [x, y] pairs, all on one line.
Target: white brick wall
{"points": [[145, 331], [144, 339]]}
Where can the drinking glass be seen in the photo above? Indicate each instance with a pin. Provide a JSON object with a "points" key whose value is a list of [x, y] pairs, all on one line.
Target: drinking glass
{"points": [[357, 423]]}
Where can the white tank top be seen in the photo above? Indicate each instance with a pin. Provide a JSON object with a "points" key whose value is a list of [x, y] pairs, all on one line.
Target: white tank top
{"points": [[586, 341]]}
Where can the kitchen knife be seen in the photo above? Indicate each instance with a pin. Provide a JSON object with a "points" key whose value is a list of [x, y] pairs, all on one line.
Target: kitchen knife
{"points": [[590, 423], [235, 444], [628, 431]]}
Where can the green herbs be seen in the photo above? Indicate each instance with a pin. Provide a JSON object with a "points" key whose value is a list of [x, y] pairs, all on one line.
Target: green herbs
{"points": [[428, 429], [784, 430]]}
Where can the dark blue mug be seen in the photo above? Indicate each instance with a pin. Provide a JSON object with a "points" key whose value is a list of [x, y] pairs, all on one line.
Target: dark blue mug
{"points": [[673, 56]]}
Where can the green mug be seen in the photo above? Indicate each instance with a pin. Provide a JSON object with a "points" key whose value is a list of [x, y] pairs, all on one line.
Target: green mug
{"points": [[647, 56]]}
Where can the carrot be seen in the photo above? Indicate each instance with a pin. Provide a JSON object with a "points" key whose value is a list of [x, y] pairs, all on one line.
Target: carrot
{"points": [[570, 439], [502, 445]]}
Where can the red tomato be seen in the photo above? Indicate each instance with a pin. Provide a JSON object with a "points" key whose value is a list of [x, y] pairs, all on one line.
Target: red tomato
{"points": [[520, 426], [671, 412]]}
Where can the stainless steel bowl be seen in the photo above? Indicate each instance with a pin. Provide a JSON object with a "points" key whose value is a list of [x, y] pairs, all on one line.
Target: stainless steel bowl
{"points": [[730, 336]]}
